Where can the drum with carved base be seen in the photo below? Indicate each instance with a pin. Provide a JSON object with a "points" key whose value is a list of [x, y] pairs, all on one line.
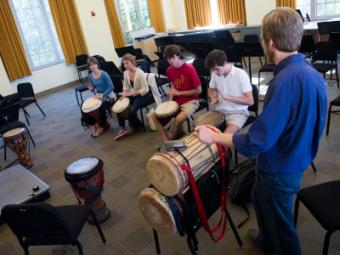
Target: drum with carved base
{"points": [[122, 107], [215, 119], [166, 111]]}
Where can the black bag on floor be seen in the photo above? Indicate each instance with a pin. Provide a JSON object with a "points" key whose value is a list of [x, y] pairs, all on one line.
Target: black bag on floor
{"points": [[241, 185]]}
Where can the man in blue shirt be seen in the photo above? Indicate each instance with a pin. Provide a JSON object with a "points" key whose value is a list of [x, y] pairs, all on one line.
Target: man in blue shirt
{"points": [[285, 136]]}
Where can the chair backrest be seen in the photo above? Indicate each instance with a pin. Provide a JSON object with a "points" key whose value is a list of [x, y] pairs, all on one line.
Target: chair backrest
{"points": [[117, 84], [144, 65], [200, 67], [255, 107], [25, 90], [307, 44], [9, 113], [123, 50], [81, 59], [162, 66], [335, 38], [325, 51], [204, 87], [35, 221], [251, 38], [233, 54], [111, 68]]}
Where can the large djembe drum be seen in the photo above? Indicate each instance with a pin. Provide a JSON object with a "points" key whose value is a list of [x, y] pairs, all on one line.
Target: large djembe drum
{"points": [[122, 107], [213, 118], [166, 111], [164, 168], [91, 106], [16, 139], [86, 177]]}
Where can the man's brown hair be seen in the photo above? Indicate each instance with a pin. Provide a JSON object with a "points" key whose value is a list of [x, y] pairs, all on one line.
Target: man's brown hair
{"points": [[284, 27], [215, 58], [172, 50]]}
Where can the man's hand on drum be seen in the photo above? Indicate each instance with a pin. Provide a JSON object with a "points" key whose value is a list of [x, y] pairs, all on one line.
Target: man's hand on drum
{"points": [[209, 136], [173, 92], [213, 100]]}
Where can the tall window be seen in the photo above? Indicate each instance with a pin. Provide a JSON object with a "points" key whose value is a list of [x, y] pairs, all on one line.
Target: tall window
{"points": [[37, 30], [134, 16], [318, 9]]}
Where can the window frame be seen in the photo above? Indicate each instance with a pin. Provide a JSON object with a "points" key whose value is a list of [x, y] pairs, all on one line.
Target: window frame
{"points": [[139, 18], [313, 10], [48, 26]]}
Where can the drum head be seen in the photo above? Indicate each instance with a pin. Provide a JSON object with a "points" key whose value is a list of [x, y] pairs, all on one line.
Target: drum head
{"points": [[121, 105], [13, 132], [215, 119], [164, 175], [156, 211], [166, 108], [91, 104], [82, 166]]}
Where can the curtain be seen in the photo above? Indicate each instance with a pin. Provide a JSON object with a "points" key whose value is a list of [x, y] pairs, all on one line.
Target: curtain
{"points": [[232, 11], [68, 28], [287, 3], [156, 15], [11, 48], [198, 13], [116, 30]]}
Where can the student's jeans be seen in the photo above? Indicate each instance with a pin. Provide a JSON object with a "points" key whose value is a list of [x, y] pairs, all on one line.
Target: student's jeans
{"points": [[273, 203], [136, 103]]}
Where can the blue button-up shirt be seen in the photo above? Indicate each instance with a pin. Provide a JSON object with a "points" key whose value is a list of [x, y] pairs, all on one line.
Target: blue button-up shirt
{"points": [[285, 136]]}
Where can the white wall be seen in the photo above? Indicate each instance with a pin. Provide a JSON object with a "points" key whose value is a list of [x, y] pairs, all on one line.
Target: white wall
{"points": [[174, 13], [255, 10], [96, 29], [98, 39]]}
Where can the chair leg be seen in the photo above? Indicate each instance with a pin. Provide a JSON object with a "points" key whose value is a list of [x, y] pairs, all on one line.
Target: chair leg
{"points": [[155, 236], [329, 118], [98, 227], [80, 248], [337, 75], [259, 82], [75, 91], [26, 116], [326, 243], [5, 151], [313, 167], [233, 228], [29, 134], [26, 250], [40, 109], [142, 118], [296, 211]]}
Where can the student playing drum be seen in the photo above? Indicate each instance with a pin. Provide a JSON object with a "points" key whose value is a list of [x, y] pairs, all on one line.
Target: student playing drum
{"points": [[185, 88], [229, 87], [101, 84], [136, 88]]}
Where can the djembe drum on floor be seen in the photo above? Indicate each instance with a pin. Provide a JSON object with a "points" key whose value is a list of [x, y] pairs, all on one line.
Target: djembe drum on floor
{"points": [[214, 118], [91, 106], [166, 111], [16, 139], [86, 177], [122, 107], [164, 168]]}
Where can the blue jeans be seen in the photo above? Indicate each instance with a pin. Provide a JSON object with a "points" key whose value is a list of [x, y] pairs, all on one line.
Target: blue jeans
{"points": [[273, 203]]}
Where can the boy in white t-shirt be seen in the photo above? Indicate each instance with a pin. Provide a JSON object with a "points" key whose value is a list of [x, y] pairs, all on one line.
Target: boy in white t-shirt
{"points": [[229, 87]]}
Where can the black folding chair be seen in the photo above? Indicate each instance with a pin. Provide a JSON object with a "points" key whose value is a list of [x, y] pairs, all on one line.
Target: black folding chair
{"points": [[37, 224], [26, 97]]}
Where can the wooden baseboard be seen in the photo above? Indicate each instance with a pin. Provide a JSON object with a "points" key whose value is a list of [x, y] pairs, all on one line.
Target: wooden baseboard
{"points": [[58, 88]]}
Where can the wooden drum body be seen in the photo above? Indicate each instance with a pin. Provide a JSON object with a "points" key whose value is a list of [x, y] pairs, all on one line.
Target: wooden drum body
{"points": [[215, 119], [122, 107], [86, 177], [164, 168], [166, 111], [16, 139]]}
